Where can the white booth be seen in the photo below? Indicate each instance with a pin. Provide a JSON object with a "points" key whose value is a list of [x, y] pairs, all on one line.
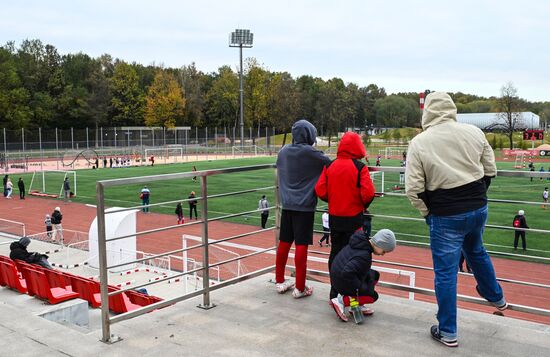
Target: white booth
{"points": [[121, 250]]}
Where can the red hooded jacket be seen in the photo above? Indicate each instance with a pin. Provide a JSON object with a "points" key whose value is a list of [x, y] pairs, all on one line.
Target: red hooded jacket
{"points": [[346, 185]]}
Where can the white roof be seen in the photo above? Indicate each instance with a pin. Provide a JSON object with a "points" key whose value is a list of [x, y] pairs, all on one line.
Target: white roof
{"points": [[527, 120]]}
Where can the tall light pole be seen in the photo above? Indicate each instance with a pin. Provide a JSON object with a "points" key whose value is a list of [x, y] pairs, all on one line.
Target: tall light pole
{"points": [[241, 38]]}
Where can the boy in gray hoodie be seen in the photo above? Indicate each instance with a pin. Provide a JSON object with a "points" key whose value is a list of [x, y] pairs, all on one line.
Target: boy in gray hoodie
{"points": [[298, 166]]}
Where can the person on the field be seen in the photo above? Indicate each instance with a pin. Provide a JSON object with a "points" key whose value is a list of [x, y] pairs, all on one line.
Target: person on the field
{"points": [[351, 273], [9, 188], [347, 187], [449, 170], [48, 224], [5, 182], [298, 166], [326, 229], [145, 194], [67, 190], [263, 205], [520, 222], [192, 205], [18, 250], [545, 198], [179, 213], [57, 217], [21, 186], [531, 168]]}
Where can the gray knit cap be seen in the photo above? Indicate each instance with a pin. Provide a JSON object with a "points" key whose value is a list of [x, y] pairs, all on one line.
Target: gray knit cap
{"points": [[25, 241], [384, 239]]}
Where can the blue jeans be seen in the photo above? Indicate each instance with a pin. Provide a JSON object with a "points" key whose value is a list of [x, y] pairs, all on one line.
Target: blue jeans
{"points": [[448, 236], [145, 202]]}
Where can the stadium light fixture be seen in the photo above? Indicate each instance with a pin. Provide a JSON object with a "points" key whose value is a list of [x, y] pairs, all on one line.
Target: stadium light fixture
{"points": [[243, 39]]}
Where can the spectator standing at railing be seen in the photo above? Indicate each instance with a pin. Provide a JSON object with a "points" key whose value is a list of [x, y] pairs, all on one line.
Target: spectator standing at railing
{"points": [[346, 185], [57, 217], [21, 186], [449, 169], [298, 166]]}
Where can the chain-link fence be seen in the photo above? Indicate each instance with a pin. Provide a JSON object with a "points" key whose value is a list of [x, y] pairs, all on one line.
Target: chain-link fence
{"points": [[22, 149]]}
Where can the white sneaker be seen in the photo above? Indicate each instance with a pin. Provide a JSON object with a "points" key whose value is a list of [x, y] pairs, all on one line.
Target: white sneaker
{"points": [[366, 310], [308, 290], [339, 308], [284, 286]]}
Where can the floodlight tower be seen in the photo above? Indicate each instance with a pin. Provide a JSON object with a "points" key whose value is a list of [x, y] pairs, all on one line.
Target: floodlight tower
{"points": [[241, 38]]}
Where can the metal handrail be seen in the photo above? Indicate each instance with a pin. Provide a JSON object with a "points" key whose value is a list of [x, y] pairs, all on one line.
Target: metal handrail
{"points": [[205, 291]]}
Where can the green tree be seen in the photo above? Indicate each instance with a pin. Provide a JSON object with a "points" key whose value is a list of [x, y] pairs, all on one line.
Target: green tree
{"points": [[255, 93], [222, 99], [283, 101], [165, 102], [395, 111], [127, 99], [194, 89], [397, 135], [14, 110]]}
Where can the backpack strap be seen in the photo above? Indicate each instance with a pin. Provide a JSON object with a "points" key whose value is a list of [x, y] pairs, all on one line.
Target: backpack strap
{"points": [[359, 166]]}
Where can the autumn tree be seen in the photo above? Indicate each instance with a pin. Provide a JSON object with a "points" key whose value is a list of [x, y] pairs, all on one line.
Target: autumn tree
{"points": [[222, 99], [165, 102], [509, 106], [255, 93]]}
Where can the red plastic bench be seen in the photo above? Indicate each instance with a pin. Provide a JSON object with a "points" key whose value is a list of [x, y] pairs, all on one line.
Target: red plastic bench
{"points": [[11, 278], [38, 285]]}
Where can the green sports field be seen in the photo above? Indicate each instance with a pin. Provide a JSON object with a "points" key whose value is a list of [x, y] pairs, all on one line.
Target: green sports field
{"points": [[502, 214]]}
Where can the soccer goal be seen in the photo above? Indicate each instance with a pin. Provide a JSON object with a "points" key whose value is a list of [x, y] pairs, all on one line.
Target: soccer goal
{"points": [[247, 150], [50, 183], [377, 178], [165, 152]]}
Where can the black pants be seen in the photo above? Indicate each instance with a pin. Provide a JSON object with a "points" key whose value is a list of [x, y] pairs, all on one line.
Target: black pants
{"points": [[339, 241], [22, 194], [191, 209], [264, 219], [517, 234], [326, 235]]}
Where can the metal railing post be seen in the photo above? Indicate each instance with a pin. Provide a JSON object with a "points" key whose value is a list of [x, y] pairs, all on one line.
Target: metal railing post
{"points": [[103, 277], [205, 259]]}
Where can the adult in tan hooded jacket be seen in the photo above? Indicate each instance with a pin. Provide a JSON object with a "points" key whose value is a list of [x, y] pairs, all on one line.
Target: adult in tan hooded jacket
{"points": [[449, 169]]}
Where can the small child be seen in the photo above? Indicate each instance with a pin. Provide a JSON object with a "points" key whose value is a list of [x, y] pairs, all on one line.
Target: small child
{"points": [[351, 274], [545, 198], [179, 213], [48, 223]]}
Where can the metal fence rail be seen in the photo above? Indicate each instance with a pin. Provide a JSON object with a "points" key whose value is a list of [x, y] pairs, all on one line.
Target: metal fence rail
{"points": [[107, 320]]}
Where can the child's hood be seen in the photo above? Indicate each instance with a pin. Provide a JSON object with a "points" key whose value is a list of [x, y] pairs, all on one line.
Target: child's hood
{"points": [[359, 240]]}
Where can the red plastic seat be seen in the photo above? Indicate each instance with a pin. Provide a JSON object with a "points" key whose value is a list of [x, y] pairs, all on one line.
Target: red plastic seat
{"points": [[120, 303], [38, 285], [87, 290], [10, 277]]}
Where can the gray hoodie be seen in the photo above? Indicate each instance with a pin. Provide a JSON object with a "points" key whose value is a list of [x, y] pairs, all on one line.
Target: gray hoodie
{"points": [[299, 166]]}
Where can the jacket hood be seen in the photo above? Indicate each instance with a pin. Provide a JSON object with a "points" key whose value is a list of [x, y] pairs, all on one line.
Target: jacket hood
{"points": [[439, 108], [303, 132], [351, 147], [16, 245], [359, 240]]}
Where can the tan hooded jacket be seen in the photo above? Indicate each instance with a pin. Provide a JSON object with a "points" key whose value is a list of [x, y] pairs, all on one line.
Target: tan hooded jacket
{"points": [[447, 154]]}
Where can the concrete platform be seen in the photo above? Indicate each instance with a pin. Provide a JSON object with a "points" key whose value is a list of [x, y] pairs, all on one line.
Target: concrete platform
{"points": [[250, 319]]}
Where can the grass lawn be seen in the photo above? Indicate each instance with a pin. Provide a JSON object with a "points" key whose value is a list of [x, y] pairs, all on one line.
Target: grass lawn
{"points": [[168, 190]]}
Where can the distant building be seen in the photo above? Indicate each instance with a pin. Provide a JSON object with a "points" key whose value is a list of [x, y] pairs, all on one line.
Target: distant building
{"points": [[493, 121]]}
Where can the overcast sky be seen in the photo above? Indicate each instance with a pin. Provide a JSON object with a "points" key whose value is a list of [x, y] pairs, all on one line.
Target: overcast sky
{"points": [[461, 45]]}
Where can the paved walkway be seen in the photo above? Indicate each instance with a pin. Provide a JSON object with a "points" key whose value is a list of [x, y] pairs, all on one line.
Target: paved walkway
{"points": [[250, 319]]}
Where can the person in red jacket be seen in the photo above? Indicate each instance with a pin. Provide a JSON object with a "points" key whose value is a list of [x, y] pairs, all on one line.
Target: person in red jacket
{"points": [[346, 185]]}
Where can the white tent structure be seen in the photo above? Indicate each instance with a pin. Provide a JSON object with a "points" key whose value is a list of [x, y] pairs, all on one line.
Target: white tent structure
{"points": [[490, 121]]}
